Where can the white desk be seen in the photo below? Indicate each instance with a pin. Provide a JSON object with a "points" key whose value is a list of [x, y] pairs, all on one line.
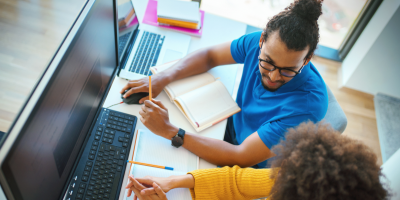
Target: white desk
{"points": [[216, 30]]}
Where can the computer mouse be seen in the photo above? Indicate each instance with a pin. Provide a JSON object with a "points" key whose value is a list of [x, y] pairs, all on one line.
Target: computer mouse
{"points": [[134, 98]]}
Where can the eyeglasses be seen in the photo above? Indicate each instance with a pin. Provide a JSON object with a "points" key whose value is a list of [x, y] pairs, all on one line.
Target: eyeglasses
{"points": [[283, 71]]}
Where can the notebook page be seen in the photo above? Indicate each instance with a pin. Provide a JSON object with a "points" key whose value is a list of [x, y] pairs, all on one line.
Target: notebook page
{"points": [[182, 86], [207, 103], [140, 171], [153, 149]]}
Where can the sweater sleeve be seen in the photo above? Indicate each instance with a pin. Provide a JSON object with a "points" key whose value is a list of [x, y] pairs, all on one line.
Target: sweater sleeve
{"points": [[231, 183]]}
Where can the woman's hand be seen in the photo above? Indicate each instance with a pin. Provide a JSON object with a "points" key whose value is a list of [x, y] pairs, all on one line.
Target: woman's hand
{"points": [[136, 187]]}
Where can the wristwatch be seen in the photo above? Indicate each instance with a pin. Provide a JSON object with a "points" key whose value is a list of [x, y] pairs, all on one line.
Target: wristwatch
{"points": [[177, 140]]}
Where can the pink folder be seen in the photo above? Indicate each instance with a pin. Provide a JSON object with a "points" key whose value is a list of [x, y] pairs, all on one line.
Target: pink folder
{"points": [[150, 17]]}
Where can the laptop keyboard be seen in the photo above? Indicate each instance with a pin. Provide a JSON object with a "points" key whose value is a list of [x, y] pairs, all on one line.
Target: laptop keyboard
{"points": [[104, 161], [122, 40], [147, 53]]}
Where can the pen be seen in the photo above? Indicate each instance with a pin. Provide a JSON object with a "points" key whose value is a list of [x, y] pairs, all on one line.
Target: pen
{"points": [[150, 89], [150, 165]]}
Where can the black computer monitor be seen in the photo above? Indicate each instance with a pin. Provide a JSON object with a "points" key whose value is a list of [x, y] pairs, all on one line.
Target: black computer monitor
{"points": [[44, 142]]}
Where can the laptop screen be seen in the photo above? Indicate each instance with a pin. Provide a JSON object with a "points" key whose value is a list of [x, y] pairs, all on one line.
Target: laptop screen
{"points": [[41, 159]]}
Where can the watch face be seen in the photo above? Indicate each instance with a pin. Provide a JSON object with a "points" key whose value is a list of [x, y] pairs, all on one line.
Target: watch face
{"points": [[177, 141]]}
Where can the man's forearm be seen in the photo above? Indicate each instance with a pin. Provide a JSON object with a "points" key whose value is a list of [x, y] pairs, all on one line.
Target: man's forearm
{"points": [[195, 63], [215, 151]]}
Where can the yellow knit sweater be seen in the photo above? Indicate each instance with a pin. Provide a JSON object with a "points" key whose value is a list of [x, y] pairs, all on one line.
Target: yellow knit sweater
{"points": [[231, 183]]}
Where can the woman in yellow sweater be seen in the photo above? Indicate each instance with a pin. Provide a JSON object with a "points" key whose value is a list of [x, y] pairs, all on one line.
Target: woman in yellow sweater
{"points": [[314, 162]]}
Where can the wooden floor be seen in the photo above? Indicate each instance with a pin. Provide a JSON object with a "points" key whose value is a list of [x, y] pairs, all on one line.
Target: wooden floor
{"points": [[31, 31]]}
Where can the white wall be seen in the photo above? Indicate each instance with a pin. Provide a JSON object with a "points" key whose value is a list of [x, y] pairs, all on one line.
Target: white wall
{"points": [[373, 64], [391, 170]]}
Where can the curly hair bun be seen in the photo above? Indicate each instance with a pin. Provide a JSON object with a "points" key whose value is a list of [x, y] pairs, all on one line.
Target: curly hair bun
{"points": [[307, 9]]}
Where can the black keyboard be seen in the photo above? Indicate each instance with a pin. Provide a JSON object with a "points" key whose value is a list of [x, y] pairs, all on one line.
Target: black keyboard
{"points": [[100, 171], [147, 53]]}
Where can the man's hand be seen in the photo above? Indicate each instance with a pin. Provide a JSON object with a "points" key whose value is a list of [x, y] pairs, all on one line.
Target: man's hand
{"points": [[154, 115], [142, 85], [136, 187]]}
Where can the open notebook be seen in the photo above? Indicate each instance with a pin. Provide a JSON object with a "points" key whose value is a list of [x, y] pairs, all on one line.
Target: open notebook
{"points": [[202, 98], [153, 149]]}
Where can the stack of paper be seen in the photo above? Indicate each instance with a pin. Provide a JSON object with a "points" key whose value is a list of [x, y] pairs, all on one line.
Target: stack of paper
{"points": [[179, 13]]}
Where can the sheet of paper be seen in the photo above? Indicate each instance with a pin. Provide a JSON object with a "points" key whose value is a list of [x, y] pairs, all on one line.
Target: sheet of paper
{"points": [[153, 149], [140, 171]]}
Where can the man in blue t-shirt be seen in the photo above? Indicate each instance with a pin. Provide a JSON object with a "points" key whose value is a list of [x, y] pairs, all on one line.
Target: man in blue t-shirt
{"points": [[280, 88]]}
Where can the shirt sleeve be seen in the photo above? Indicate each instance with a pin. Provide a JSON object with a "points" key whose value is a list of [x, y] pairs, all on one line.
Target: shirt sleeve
{"points": [[272, 132], [231, 183], [241, 46]]}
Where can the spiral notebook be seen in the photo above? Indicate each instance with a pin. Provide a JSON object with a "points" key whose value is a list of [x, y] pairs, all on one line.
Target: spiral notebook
{"points": [[153, 149]]}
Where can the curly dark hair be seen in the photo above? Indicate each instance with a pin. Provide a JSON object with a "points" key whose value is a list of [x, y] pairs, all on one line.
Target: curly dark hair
{"points": [[316, 162], [297, 25]]}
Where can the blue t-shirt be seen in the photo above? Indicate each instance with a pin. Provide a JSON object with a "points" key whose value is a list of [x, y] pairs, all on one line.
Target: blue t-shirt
{"points": [[271, 113]]}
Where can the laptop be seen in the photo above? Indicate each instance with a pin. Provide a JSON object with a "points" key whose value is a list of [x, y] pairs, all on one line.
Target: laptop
{"points": [[63, 143], [148, 48]]}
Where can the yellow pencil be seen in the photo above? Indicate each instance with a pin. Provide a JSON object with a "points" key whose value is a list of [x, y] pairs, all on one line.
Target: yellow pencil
{"points": [[150, 165], [150, 89]]}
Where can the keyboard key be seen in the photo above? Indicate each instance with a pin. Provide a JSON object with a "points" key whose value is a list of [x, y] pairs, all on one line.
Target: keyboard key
{"points": [[98, 182], [82, 185], [95, 143], [91, 157], [126, 140], [92, 183], [95, 192], [112, 132], [89, 192], [123, 151], [121, 162], [119, 168], [89, 163], [110, 141], [97, 137], [125, 144], [100, 129], [101, 191], [100, 196], [114, 166], [105, 139], [124, 129], [79, 196], [122, 157], [129, 130], [115, 185], [108, 185], [106, 195], [127, 136], [93, 148], [115, 161], [107, 131], [85, 173], [91, 187], [112, 113], [87, 168], [109, 125], [120, 139], [98, 133], [85, 178], [102, 147], [94, 196]]}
